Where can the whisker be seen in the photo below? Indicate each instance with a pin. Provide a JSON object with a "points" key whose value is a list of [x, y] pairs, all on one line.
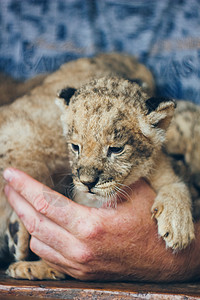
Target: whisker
{"points": [[122, 192], [73, 191], [111, 199], [61, 182], [124, 185], [119, 198]]}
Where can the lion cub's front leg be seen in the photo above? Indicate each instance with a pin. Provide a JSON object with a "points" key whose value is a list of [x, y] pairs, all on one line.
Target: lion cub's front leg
{"points": [[172, 210]]}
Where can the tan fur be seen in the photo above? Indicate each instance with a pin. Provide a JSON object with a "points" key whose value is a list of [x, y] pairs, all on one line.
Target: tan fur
{"points": [[183, 138], [33, 271], [184, 133], [11, 89]]}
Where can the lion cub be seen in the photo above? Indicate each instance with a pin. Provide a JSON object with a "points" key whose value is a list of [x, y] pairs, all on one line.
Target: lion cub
{"points": [[115, 134]]}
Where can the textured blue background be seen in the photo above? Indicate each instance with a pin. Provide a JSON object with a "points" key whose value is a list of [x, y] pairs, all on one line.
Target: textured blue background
{"points": [[39, 35]]}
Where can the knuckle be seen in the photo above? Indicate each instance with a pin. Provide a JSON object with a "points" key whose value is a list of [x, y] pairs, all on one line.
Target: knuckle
{"points": [[40, 204], [21, 187], [31, 226], [84, 256], [92, 231]]}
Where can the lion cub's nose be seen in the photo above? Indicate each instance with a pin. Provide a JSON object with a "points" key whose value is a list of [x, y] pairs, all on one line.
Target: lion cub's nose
{"points": [[89, 182], [89, 177]]}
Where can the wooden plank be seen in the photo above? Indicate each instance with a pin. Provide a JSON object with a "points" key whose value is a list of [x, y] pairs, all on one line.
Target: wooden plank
{"points": [[74, 289]]}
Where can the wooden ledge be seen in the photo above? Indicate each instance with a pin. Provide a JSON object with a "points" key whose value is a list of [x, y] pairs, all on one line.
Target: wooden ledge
{"points": [[73, 289]]}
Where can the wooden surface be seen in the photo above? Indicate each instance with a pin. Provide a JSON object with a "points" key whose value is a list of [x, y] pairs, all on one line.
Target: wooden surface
{"points": [[73, 289]]}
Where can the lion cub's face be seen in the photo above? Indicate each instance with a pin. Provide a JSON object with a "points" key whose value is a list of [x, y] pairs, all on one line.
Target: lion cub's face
{"points": [[113, 133]]}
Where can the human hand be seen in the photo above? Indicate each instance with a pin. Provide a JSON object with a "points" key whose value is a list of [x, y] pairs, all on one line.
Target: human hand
{"points": [[90, 243]]}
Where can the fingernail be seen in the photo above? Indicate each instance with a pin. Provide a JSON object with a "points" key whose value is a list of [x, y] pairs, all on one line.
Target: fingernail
{"points": [[8, 175], [6, 190]]}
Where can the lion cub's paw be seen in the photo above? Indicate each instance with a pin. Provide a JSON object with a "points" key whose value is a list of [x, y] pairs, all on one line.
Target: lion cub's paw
{"points": [[33, 270], [175, 224]]}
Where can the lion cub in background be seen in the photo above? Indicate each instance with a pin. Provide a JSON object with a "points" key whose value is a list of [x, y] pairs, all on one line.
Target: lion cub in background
{"points": [[115, 131]]}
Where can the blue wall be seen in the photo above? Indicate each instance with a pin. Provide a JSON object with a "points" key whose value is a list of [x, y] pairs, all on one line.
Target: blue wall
{"points": [[39, 35]]}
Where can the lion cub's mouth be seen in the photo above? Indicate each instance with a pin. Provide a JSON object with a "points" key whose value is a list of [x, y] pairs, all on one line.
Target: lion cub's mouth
{"points": [[106, 194], [105, 189]]}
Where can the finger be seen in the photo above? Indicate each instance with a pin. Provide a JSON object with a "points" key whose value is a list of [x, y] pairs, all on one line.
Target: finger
{"points": [[55, 259], [46, 201], [32, 190], [72, 272], [48, 253], [47, 231], [41, 227], [65, 264]]}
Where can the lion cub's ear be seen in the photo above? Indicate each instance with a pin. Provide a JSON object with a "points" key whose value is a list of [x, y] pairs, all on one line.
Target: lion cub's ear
{"points": [[64, 96], [160, 111]]}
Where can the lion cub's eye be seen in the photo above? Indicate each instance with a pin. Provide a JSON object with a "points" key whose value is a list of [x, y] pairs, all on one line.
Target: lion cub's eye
{"points": [[115, 150], [75, 148]]}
